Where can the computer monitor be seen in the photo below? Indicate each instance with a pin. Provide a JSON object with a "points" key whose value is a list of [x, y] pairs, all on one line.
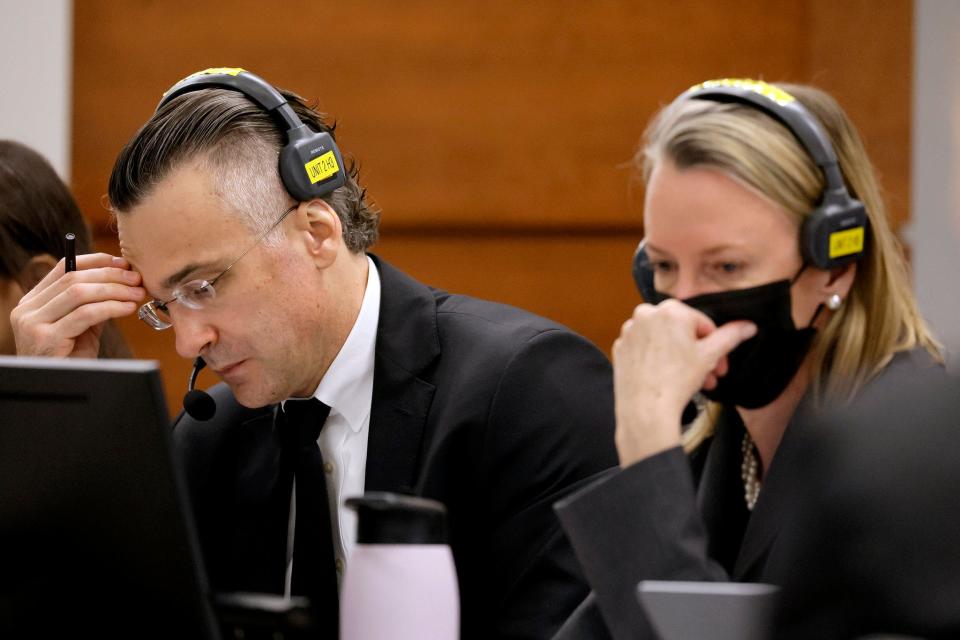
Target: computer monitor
{"points": [[680, 610], [96, 535]]}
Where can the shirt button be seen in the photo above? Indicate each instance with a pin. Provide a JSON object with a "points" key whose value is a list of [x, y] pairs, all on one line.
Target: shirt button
{"points": [[328, 467], [339, 564]]}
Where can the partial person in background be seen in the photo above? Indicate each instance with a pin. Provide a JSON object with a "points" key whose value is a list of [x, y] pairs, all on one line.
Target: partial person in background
{"points": [[876, 541], [780, 288], [36, 212]]}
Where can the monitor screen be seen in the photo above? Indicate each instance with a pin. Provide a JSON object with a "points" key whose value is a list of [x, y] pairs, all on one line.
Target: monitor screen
{"points": [[96, 534], [716, 610]]}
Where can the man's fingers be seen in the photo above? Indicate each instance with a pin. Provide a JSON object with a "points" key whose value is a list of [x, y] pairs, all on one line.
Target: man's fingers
{"points": [[80, 294], [90, 315], [103, 264], [98, 260], [78, 282]]}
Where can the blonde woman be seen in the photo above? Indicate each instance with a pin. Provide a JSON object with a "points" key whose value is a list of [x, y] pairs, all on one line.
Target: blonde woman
{"points": [[780, 288]]}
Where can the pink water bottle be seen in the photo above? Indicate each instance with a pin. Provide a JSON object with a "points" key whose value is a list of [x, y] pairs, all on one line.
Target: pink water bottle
{"points": [[401, 583]]}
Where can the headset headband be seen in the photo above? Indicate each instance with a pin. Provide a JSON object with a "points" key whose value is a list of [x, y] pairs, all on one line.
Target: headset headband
{"points": [[251, 85], [310, 164], [781, 106]]}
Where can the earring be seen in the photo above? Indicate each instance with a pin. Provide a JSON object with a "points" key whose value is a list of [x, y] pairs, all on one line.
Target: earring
{"points": [[834, 302]]}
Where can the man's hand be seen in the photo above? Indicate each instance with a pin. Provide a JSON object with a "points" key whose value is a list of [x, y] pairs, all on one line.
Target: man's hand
{"points": [[64, 314]]}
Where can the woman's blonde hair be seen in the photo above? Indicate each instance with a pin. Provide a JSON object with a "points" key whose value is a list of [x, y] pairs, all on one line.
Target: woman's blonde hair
{"points": [[879, 317]]}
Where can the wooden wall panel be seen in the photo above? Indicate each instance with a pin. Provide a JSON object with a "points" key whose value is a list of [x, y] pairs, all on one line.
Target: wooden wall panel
{"points": [[865, 60], [466, 113], [493, 134]]}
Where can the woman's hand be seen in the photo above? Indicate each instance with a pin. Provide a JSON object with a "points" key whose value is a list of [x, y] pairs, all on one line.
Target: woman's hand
{"points": [[664, 355], [64, 314]]}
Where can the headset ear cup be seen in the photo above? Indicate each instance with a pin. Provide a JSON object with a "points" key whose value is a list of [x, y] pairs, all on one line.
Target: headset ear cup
{"points": [[835, 234], [290, 167], [310, 165], [814, 243], [643, 275]]}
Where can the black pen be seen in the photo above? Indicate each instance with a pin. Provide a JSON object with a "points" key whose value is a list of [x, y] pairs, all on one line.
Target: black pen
{"points": [[70, 252]]}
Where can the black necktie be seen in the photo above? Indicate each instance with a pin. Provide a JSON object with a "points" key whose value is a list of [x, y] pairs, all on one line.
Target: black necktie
{"points": [[314, 571]]}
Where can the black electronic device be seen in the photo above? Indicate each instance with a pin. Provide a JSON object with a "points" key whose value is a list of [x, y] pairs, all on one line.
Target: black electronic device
{"points": [[715, 610], [310, 164], [198, 404], [643, 275], [96, 534]]}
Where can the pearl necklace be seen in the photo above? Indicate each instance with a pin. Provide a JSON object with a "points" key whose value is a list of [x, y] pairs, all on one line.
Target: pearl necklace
{"points": [[748, 472]]}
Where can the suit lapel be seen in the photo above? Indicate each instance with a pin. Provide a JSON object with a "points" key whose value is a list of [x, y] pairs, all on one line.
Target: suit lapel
{"points": [[720, 491], [407, 342], [773, 506]]}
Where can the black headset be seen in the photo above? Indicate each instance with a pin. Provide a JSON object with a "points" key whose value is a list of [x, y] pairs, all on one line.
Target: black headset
{"points": [[310, 163], [833, 234]]}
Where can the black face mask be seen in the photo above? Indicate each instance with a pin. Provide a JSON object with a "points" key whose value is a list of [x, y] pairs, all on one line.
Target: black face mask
{"points": [[762, 367]]}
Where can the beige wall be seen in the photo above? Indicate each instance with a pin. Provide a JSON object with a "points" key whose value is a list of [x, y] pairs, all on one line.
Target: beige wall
{"points": [[934, 232], [36, 63]]}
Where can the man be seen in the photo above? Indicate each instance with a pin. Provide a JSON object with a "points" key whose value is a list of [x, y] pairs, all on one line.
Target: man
{"points": [[491, 410]]}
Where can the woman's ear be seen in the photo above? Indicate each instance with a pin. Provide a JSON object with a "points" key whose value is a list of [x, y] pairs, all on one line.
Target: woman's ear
{"points": [[842, 278], [35, 270], [836, 286]]}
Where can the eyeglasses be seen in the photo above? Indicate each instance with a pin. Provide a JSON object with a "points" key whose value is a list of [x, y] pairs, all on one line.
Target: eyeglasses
{"points": [[195, 294]]}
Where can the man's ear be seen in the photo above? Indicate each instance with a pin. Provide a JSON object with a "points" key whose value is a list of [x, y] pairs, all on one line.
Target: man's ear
{"points": [[35, 270], [322, 230]]}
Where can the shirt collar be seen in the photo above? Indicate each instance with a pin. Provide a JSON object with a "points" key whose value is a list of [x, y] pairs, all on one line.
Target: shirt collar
{"points": [[347, 387]]}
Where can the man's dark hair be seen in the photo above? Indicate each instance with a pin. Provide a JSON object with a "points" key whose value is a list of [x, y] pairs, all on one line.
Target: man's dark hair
{"points": [[237, 141]]}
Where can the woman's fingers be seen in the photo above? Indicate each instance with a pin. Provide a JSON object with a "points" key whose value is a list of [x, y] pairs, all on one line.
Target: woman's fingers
{"points": [[725, 339]]}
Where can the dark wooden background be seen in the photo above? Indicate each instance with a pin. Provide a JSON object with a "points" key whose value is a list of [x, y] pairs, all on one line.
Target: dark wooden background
{"points": [[492, 134]]}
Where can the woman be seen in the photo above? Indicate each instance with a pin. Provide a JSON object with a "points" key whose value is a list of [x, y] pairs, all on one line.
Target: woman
{"points": [[777, 293], [36, 212]]}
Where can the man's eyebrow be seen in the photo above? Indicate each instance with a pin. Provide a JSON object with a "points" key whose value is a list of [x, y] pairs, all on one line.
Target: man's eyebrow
{"points": [[178, 277]]}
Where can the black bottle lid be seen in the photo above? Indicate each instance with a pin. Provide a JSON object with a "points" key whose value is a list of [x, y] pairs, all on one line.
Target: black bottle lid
{"points": [[390, 518]]}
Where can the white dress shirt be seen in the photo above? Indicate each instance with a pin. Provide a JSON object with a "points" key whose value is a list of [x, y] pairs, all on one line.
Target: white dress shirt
{"points": [[347, 388]]}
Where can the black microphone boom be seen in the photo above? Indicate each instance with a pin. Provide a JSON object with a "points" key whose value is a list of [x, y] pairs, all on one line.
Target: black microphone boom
{"points": [[198, 404]]}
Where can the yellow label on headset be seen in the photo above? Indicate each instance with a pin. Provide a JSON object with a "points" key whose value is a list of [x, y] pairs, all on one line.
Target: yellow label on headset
{"points": [[322, 167], [843, 243], [230, 71], [765, 89]]}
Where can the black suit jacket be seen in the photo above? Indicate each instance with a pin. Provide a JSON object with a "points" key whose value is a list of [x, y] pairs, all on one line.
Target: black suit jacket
{"points": [[493, 411], [670, 517], [875, 548]]}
